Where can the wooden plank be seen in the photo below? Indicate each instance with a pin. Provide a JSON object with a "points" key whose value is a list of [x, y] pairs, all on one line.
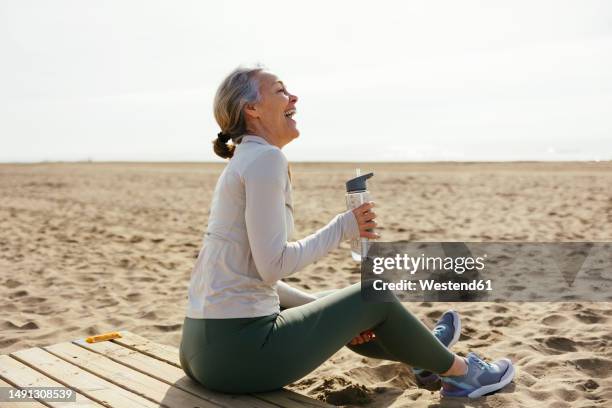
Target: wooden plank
{"points": [[282, 398], [31, 404], [289, 399], [125, 377], [170, 374], [162, 352], [22, 375], [93, 387]]}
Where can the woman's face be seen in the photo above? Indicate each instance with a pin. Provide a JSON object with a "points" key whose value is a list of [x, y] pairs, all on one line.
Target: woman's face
{"points": [[272, 116]]}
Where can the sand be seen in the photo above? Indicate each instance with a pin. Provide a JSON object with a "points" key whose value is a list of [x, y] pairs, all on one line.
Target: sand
{"points": [[93, 247]]}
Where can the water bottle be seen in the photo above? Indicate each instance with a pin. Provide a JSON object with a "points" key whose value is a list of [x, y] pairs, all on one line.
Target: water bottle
{"points": [[357, 194]]}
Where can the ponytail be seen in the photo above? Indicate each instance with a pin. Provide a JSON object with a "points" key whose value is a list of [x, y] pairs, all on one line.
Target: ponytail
{"points": [[221, 146]]}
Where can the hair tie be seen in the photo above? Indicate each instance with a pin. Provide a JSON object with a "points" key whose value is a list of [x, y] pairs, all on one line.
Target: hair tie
{"points": [[223, 137]]}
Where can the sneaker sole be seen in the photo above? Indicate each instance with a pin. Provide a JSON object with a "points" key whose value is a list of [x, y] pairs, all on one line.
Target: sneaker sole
{"points": [[505, 380], [430, 386]]}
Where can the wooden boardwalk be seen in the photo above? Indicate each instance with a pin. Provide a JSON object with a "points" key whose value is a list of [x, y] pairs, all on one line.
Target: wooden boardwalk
{"points": [[126, 372]]}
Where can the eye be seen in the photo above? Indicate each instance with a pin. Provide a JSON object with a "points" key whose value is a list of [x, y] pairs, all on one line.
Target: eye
{"points": [[283, 90]]}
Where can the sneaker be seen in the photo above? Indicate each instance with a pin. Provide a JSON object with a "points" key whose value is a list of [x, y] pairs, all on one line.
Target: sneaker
{"points": [[482, 378], [447, 331]]}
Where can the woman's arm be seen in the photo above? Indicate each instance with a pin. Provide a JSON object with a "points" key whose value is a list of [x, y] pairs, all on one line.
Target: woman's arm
{"points": [[292, 297], [274, 257]]}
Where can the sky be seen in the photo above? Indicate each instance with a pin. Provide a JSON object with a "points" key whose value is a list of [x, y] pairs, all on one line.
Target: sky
{"points": [[377, 81]]}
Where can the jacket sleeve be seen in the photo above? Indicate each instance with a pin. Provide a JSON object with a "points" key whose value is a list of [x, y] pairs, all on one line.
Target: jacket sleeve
{"points": [[275, 258], [291, 297]]}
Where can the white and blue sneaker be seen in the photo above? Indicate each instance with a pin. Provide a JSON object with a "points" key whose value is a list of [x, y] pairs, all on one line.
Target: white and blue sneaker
{"points": [[447, 331], [481, 378]]}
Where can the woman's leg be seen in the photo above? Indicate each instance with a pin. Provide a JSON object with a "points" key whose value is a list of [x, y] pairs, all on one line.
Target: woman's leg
{"points": [[400, 335], [372, 349], [270, 352]]}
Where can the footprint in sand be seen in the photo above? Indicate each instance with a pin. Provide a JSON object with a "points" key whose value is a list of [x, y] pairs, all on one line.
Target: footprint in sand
{"points": [[567, 395], [537, 370], [490, 335], [18, 294], [501, 321], [8, 325], [588, 316], [150, 316], [562, 344], [540, 395], [33, 300], [434, 315], [4, 343], [594, 367], [12, 284], [589, 385], [141, 279], [355, 268], [133, 297], [10, 307], [467, 333], [554, 320], [168, 327]]}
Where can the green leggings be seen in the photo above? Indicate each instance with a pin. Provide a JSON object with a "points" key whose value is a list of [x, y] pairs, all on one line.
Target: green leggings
{"points": [[266, 353]]}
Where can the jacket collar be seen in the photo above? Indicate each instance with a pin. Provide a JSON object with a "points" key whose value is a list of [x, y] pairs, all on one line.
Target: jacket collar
{"points": [[253, 138]]}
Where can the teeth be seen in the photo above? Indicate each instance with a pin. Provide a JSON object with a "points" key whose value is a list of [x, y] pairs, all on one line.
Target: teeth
{"points": [[290, 113]]}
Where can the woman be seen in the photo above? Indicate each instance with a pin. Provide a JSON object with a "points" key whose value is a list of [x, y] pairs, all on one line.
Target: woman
{"points": [[246, 330]]}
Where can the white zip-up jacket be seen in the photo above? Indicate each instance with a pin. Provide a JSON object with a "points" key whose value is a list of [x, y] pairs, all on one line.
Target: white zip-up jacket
{"points": [[246, 248]]}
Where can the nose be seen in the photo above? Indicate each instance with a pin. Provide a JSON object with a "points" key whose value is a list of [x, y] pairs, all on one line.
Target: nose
{"points": [[293, 99]]}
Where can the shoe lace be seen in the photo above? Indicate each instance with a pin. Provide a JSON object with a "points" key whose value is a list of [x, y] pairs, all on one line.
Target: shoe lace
{"points": [[438, 330], [481, 363]]}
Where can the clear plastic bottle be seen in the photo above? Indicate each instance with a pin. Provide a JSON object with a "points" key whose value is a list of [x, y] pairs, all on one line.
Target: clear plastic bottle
{"points": [[357, 194]]}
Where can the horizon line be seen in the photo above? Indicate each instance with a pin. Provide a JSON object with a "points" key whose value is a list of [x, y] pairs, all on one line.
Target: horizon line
{"points": [[304, 161]]}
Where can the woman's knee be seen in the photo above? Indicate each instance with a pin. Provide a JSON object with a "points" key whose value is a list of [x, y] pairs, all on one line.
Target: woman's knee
{"points": [[375, 312]]}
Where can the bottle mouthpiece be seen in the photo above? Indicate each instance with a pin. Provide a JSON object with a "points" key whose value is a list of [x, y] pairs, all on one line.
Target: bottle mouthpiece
{"points": [[358, 183]]}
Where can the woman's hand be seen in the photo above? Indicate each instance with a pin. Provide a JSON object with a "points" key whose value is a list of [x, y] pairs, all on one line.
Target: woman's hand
{"points": [[363, 337], [365, 219]]}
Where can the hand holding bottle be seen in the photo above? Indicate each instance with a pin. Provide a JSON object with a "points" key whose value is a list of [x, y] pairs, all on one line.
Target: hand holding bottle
{"points": [[365, 216]]}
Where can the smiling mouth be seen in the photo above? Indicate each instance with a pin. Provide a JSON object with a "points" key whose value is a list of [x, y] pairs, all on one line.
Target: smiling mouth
{"points": [[289, 114]]}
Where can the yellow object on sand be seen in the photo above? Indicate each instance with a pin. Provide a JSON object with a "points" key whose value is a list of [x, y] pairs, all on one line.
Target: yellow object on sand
{"points": [[103, 337]]}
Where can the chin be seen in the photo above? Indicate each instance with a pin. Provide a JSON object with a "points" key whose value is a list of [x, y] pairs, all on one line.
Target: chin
{"points": [[293, 134]]}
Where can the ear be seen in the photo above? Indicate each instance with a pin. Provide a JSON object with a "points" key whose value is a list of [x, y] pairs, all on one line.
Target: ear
{"points": [[251, 111]]}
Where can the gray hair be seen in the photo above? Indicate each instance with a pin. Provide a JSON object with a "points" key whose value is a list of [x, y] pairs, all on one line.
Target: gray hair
{"points": [[238, 89]]}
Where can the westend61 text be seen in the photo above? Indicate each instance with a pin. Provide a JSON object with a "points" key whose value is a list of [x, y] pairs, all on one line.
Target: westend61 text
{"points": [[429, 285]]}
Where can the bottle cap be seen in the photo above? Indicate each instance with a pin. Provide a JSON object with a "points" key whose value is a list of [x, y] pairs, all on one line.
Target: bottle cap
{"points": [[358, 183]]}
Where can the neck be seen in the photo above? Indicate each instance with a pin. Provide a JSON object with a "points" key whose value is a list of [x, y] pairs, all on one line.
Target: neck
{"points": [[258, 130]]}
